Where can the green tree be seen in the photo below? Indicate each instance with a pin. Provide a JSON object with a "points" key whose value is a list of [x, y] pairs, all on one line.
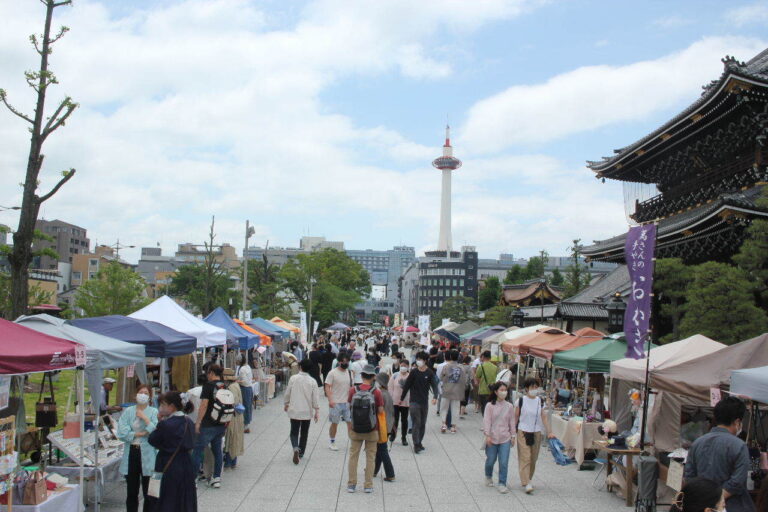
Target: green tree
{"points": [[670, 283], [577, 275], [499, 315], [266, 289], [515, 275], [40, 128], [116, 290], [334, 281], [489, 295], [753, 254], [557, 278], [205, 286], [536, 266], [458, 309], [720, 305]]}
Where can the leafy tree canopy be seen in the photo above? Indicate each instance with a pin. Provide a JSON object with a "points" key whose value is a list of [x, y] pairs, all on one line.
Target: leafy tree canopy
{"points": [[489, 295], [116, 290], [458, 309]]}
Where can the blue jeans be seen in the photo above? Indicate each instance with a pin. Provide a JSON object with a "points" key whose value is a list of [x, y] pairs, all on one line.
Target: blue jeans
{"points": [[213, 436], [247, 392], [501, 452], [229, 462]]}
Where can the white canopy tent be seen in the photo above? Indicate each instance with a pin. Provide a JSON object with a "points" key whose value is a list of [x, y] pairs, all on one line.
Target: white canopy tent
{"points": [[165, 311]]}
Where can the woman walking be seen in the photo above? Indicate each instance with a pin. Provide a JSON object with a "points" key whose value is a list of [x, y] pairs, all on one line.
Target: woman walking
{"points": [[531, 420], [245, 380], [174, 437], [138, 463], [499, 429], [233, 437], [395, 389], [382, 453]]}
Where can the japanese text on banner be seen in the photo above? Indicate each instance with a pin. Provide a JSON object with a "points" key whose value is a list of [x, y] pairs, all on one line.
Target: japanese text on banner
{"points": [[639, 253]]}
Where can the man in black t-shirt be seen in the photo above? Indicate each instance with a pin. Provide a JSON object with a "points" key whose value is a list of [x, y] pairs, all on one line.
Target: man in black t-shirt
{"points": [[210, 432]]}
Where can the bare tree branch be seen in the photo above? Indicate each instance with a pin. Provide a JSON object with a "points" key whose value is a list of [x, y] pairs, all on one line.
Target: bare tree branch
{"points": [[67, 176], [12, 108], [67, 2], [54, 123]]}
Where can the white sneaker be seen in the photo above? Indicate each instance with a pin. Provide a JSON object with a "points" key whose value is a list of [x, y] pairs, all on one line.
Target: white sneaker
{"points": [[215, 483], [529, 488], [489, 482], [503, 489], [333, 447]]}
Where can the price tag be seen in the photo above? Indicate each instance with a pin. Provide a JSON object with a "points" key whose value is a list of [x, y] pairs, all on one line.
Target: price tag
{"points": [[80, 355], [130, 370]]}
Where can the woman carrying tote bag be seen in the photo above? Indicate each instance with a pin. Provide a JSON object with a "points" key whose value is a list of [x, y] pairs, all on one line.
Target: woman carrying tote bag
{"points": [[174, 438]]}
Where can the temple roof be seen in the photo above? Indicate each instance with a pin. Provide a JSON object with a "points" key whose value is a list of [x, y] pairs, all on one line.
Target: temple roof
{"points": [[686, 223], [755, 72], [526, 293]]}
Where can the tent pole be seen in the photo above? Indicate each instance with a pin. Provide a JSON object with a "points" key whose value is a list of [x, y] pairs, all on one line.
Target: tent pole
{"points": [[586, 389], [646, 393], [81, 403]]}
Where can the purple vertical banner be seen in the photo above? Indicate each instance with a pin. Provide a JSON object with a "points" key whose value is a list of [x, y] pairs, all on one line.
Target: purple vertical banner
{"points": [[639, 252]]}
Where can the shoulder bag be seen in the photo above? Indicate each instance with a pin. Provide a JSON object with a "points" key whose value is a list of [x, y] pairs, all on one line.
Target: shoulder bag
{"points": [[154, 482]]}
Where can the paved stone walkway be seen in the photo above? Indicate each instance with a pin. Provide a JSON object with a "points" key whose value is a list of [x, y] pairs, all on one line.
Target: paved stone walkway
{"points": [[447, 476]]}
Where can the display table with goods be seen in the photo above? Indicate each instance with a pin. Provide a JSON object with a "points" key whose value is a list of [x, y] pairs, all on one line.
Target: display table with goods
{"points": [[576, 435], [621, 457], [63, 499]]}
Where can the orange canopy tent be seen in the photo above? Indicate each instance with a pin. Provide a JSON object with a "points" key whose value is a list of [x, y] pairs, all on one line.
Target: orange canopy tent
{"points": [[285, 325], [523, 344], [581, 337], [264, 340]]}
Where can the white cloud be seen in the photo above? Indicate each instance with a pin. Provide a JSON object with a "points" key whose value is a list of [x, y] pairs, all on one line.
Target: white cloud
{"points": [[748, 14], [592, 97]]}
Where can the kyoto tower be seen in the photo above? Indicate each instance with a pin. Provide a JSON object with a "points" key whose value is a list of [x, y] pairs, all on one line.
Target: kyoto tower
{"points": [[446, 164]]}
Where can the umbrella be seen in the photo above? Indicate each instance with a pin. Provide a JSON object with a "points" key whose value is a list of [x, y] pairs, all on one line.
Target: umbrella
{"points": [[338, 326]]}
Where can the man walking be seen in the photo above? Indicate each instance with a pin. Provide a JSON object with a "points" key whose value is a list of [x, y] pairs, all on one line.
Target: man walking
{"points": [[454, 382], [722, 457], [485, 375], [302, 403], [365, 403], [337, 387], [210, 431], [418, 384]]}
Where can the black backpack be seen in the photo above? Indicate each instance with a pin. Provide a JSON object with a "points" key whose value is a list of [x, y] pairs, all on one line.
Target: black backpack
{"points": [[363, 411]]}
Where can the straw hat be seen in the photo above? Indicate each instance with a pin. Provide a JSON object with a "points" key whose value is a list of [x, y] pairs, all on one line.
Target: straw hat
{"points": [[229, 374]]}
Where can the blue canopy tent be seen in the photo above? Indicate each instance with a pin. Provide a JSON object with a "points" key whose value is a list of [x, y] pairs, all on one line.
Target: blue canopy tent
{"points": [[269, 328], [448, 334], [477, 338], [158, 340], [220, 318]]}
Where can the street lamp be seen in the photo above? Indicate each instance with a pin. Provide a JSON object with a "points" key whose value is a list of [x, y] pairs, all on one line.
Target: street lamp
{"points": [[249, 232], [616, 309], [117, 246], [312, 283], [518, 316]]}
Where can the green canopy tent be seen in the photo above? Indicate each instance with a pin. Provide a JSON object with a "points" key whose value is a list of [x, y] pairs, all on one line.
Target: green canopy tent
{"points": [[595, 357], [465, 327], [465, 337]]}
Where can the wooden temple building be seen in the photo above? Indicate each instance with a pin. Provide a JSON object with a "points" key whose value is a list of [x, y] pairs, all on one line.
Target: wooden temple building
{"points": [[708, 165], [536, 291]]}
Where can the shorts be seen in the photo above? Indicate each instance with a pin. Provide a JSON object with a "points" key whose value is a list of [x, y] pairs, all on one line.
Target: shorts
{"points": [[339, 413]]}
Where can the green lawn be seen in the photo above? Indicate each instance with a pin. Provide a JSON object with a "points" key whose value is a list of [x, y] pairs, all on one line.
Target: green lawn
{"points": [[61, 389]]}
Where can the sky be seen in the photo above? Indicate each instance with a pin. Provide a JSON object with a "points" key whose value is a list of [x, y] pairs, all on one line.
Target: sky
{"points": [[322, 117]]}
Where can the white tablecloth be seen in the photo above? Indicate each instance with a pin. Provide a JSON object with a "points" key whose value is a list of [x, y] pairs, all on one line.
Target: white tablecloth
{"points": [[575, 435], [63, 501]]}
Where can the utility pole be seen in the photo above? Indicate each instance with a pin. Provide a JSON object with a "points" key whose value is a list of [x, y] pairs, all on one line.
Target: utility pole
{"points": [[249, 231]]}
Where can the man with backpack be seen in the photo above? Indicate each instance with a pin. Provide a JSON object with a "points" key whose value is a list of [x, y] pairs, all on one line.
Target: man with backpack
{"points": [[366, 403], [453, 379], [217, 407]]}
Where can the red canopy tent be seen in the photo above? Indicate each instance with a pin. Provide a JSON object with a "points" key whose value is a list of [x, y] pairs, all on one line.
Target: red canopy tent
{"points": [[410, 328], [524, 343], [581, 337], [24, 350]]}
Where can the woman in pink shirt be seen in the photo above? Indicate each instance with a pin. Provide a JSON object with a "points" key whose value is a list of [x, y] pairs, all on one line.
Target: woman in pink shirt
{"points": [[499, 429], [395, 389]]}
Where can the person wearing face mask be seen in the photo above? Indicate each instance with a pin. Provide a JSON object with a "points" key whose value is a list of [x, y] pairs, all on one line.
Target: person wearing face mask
{"points": [[499, 430], [337, 386], [418, 383], [395, 387], [138, 462], [722, 457], [531, 420]]}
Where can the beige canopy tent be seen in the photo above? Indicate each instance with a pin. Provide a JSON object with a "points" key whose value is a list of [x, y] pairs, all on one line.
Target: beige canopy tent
{"points": [[695, 377]]}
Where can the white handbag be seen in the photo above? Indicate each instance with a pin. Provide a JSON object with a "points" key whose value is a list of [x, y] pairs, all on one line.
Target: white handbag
{"points": [[153, 489]]}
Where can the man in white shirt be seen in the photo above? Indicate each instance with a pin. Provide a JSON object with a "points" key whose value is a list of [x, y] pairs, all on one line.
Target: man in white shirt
{"points": [[357, 365], [302, 403], [337, 385], [244, 378]]}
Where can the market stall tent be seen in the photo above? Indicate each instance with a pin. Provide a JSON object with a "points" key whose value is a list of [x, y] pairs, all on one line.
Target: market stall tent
{"points": [[595, 357], [548, 349], [219, 318], [520, 344], [751, 383], [664, 356], [265, 338], [465, 327], [697, 376], [477, 339], [26, 350], [285, 325], [157, 339], [102, 352], [410, 328], [165, 311], [267, 327]]}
